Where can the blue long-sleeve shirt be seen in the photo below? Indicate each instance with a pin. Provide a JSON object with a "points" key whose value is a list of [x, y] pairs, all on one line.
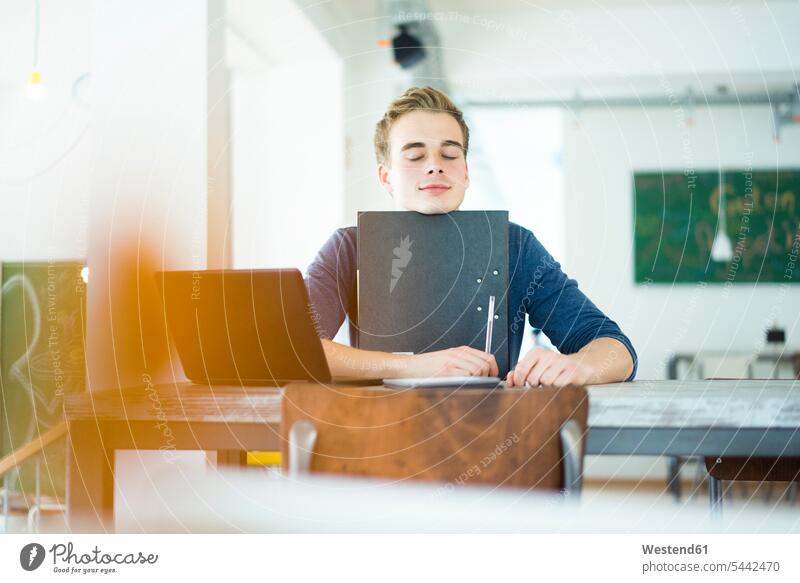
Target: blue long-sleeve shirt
{"points": [[538, 288]]}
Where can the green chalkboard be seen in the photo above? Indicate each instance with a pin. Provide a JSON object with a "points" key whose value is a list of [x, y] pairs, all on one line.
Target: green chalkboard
{"points": [[42, 323], [676, 216]]}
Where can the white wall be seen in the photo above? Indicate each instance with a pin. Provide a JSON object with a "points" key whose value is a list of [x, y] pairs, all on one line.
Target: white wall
{"points": [[372, 81], [288, 163], [515, 165], [45, 146], [601, 153], [287, 140]]}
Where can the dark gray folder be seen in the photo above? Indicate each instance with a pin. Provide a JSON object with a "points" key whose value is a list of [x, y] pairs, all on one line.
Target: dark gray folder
{"points": [[424, 281]]}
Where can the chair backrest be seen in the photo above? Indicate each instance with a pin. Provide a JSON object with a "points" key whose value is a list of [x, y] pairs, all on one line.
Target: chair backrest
{"points": [[749, 469], [529, 438], [725, 366], [754, 469]]}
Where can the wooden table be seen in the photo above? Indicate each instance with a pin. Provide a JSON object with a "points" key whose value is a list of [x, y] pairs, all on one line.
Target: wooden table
{"points": [[682, 418], [228, 420]]}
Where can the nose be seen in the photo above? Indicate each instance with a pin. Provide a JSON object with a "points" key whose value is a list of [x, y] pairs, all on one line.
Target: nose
{"points": [[434, 169]]}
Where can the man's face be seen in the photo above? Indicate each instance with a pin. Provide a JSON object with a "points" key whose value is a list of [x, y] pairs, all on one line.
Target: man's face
{"points": [[427, 171]]}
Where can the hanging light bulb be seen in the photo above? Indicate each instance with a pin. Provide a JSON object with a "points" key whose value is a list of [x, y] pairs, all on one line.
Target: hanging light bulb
{"points": [[35, 89], [722, 248]]}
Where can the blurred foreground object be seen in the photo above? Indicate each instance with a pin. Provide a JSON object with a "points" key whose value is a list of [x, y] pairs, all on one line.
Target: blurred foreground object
{"points": [[254, 502]]}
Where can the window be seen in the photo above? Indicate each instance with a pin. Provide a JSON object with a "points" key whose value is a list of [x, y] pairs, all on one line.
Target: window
{"points": [[287, 159], [515, 164]]}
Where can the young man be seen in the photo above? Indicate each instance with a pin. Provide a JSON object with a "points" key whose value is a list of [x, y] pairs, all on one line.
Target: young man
{"points": [[421, 146]]}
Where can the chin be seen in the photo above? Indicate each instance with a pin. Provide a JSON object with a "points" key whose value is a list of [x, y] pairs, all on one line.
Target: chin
{"points": [[437, 206], [431, 210]]}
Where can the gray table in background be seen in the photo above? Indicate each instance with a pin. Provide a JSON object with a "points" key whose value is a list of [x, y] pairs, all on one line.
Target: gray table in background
{"points": [[759, 418]]}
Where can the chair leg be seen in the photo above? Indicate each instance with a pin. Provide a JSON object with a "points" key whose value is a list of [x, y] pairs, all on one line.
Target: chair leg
{"points": [[700, 475], [38, 492], [572, 457], [302, 438], [6, 506], [674, 476], [791, 493], [715, 495], [34, 519]]}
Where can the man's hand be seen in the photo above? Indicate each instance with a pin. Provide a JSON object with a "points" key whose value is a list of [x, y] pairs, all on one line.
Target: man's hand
{"points": [[551, 369], [346, 362], [453, 362]]}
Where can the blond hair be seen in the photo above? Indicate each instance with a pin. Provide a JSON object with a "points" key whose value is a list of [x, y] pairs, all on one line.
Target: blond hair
{"points": [[415, 99]]}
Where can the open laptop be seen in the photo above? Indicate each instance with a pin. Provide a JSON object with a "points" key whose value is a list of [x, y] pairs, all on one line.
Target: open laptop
{"points": [[243, 327]]}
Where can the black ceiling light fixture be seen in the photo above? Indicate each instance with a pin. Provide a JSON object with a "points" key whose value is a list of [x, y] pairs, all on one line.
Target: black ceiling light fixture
{"points": [[408, 49]]}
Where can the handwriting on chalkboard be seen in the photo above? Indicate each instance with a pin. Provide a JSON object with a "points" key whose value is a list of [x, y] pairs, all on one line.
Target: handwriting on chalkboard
{"points": [[681, 215]]}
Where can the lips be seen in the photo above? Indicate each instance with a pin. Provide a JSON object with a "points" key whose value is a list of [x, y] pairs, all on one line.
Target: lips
{"points": [[435, 188]]}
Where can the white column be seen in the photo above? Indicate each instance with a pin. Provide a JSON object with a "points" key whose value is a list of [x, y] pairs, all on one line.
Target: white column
{"points": [[148, 194], [219, 140]]}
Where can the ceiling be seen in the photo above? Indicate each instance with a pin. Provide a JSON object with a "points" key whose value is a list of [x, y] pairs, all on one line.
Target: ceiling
{"points": [[366, 9]]}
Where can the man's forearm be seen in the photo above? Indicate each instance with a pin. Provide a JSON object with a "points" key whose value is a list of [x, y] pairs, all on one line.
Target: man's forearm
{"points": [[609, 358], [348, 362]]}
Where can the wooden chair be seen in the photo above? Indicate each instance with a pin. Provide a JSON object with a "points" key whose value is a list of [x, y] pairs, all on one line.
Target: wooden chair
{"points": [[525, 438], [753, 469]]}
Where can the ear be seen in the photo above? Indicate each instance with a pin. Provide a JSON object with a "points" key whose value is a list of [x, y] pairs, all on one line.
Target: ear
{"points": [[466, 175], [383, 178]]}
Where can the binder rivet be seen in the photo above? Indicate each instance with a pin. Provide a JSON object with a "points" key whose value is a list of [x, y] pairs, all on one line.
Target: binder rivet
{"points": [[479, 280], [496, 316], [480, 308], [495, 272]]}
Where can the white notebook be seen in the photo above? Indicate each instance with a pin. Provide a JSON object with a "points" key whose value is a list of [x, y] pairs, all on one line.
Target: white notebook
{"points": [[443, 382]]}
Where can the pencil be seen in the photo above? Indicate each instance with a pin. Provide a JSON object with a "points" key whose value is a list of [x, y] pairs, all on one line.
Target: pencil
{"points": [[489, 324]]}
